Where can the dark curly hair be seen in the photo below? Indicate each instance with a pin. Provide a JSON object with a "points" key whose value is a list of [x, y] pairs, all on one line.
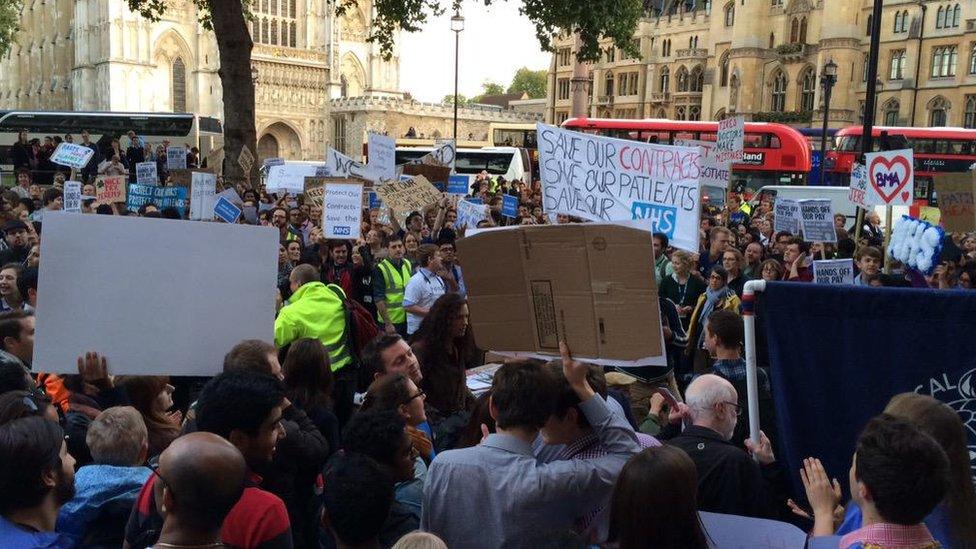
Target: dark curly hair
{"points": [[238, 399], [375, 433], [436, 326]]}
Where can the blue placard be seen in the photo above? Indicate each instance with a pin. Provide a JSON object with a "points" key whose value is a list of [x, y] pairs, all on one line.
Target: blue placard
{"points": [[457, 184], [475, 200], [162, 197], [226, 210], [509, 205], [374, 201]]}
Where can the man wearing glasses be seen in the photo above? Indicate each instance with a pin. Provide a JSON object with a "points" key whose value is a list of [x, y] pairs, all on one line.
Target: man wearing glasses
{"points": [[729, 481]]}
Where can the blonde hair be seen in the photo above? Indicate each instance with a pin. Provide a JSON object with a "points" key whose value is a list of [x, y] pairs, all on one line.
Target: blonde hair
{"points": [[420, 540], [117, 437]]}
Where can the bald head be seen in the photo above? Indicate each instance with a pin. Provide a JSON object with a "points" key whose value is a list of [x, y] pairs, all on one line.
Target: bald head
{"points": [[204, 474], [303, 274], [713, 403]]}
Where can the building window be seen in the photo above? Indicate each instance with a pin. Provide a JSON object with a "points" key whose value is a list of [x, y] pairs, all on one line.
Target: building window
{"points": [[969, 121], [633, 83], [665, 80], [697, 79], [679, 113], [897, 22], [944, 61], [622, 83], [293, 37], [561, 117], [178, 73], [733, 92], [682, 77], [729, 14], [694, 113], [795, 30], [779, 92], [666, 48], [278, 24], [808, 83], [608, 84], [956, 15], [611, 54], [803, 30], [940, 19], [772, 40], [339, 131], [864, 69], [898, 59], [264, 30], [891, 112], [972, 59], [870, 20], [901, 22], [724, 69], [938, 109], [563, 88], [562, 57]]}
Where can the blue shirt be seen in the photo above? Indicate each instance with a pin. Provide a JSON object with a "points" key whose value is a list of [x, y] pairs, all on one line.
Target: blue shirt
{"points": [[15, 537]]}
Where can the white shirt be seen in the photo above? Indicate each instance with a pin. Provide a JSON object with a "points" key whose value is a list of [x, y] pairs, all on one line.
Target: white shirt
{"points": [[423, 289]]}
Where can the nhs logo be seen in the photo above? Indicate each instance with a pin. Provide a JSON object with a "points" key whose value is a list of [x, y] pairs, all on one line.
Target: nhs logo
{"points": [[341, 231], [663, 218]]}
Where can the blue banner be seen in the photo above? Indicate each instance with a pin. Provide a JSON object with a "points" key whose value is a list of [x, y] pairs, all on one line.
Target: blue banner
{"points": [[509, 205], [226, 210], [839, 353], [457, 184], [374, 201], [161, 197]]}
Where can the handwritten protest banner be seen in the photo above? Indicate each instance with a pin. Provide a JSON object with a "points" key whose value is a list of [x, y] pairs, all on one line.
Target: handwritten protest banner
{"points": [[891, 178], [315, 190], [605, 179], [289, 178], [176, 158], [382, 154], [713, 172], [833, 271], [817, 220], [226, 211], [408, 196], [469, 214], [245, 160], [202, 192], [110, 189], [956, 192], [444, 155], [786, 216], [71, 155], [340, 165], [146, 173], [162, 197], [859, 185], [343, 212], [72, 196], [729, 146]]}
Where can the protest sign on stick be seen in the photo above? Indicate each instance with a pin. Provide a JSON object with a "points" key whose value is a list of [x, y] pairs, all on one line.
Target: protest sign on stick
{"points": [[439, 176], [890, 178], [469, 214], [382, 154], [956, 192], [713, 172], [226, 211], [786, 216], [343, 212], [289, 178], [245, 160], [458, 184], [176, 158], [110, 189], [71, 155], [857, 193], [729, 146], [817, 220], [202, 193], [161, 197], [443, 155], [408, 196], [194, 273], [604, 179], [340, 165], [72, 196], [509, 205], [146, 173], [833, 271]]}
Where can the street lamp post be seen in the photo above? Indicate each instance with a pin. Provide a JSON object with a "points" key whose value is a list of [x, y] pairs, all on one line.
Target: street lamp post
{"points": [[827, 80], [457, 25]]}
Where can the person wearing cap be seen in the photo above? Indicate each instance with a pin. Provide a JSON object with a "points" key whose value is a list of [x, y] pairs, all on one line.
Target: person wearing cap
{"points": [[15, 234]]}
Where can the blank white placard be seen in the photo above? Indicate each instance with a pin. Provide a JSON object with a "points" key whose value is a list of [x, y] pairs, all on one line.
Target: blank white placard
{"points": [[155, 296]]}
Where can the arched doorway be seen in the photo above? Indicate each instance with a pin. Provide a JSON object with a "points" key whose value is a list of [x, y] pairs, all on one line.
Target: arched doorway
{"points": [[267, 147], [280, 139]]}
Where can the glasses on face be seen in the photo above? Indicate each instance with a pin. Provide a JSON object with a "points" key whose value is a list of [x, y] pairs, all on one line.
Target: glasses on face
{"points": [[738, 409], [154, 467]]}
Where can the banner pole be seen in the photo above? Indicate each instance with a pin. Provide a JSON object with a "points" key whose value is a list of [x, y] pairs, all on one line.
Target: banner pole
{"points": [[887, 238], [749, 292]]}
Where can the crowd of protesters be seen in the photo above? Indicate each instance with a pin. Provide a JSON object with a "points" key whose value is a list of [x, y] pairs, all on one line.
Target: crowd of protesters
{"points": [[355, 427]]}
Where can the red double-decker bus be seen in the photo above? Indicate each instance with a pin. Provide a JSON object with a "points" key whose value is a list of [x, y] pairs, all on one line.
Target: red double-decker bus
{"points": [[774, 154], [936, 150]]}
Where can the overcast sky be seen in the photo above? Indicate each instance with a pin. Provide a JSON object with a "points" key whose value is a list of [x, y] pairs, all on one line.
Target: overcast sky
{"points": [[496, 42]]}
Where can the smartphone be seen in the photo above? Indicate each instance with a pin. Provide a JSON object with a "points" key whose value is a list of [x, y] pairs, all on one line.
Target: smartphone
{"points": [[668, 397]]}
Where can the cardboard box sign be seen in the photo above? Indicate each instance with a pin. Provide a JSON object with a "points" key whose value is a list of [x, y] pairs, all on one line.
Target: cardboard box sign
{"points": [[434, 174], [956, 193], [592, 284]]}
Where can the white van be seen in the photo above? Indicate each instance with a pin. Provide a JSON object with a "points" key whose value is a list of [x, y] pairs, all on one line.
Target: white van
{"points": [[509, 162], [837, 196]]}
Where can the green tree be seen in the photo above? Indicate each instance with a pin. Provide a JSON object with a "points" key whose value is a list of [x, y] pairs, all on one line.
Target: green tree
{"points": [[449, 100], [530, 82], [9, 23], [491, 88], [613, 19]]}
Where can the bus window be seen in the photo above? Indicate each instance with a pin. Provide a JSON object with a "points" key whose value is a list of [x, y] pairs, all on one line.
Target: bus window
{"points": [[707, 136], [761, 141], [923, 186], [848, 143], [683, 135], [475, 162]]}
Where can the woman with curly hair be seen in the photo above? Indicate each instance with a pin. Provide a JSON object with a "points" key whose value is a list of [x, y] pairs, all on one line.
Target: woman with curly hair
{"points": [[445, 347]]}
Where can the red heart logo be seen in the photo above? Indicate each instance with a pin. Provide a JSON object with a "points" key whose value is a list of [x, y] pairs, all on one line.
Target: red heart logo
{"points": [[904, 196], [889, 166]]}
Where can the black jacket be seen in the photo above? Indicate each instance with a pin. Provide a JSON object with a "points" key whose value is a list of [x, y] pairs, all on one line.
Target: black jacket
{"points": [[729, 481]]}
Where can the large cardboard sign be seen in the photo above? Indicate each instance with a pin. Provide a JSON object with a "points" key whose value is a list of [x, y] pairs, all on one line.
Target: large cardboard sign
{"points": [[522, 301], [603, 179], [786, 216], [410, 195], [382, 154], [891, 178], [729, 146], [289, 178], [176, 158], [146, 173], [245, 160], [833, 271], [343, 212], [190, 281], [110, 189], [202, 196], [439, 176], [817, 220], [956, 192], [71, 155]]}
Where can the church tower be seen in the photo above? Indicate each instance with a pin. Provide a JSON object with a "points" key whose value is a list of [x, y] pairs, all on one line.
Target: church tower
{"points": [[840, 39]]}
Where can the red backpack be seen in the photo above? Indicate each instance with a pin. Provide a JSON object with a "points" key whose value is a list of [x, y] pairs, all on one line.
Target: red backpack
{"points": [[360, 326]]}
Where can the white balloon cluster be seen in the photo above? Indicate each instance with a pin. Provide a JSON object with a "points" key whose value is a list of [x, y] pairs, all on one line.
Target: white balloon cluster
{"points": [[916, 243]]}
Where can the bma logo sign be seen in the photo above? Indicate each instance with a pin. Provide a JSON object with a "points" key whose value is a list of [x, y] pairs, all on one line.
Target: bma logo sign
{"points": [[341, 231]]}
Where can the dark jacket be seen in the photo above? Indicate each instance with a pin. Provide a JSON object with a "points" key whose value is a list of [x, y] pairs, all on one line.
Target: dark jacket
{"points": [[20, 154], [444, 381], [729, 481]]}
